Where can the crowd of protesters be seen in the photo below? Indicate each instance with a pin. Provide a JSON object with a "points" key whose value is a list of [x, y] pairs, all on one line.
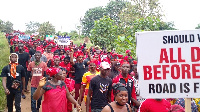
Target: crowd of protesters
{"points": [[69, 74]]}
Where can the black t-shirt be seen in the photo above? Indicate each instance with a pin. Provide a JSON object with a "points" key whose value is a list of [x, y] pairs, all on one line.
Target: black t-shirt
{"points": [[85, 62], [100, 87], [20, 73], [80, 69], [23, 58], [32, 52]]}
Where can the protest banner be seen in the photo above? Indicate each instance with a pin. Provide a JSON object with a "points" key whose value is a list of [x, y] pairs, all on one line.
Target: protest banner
{"points": [[169, 64], [49, 37], [24, 37], [63, 40]]}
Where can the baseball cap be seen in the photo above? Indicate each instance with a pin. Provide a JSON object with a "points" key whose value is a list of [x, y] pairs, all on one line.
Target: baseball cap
{"points": [[105, 65]]}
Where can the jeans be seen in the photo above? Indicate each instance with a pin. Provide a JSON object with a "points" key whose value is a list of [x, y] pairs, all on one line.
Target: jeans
{"points": [[10, 98], [96, 110], [33, 102]]}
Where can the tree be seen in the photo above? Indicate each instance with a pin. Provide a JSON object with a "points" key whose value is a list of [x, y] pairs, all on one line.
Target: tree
{"points": [[32, 27], [90, 16], [114, 8], [126, 40], [1, 25], [46, 28], [7, 27], [140, 9], [73, 34], [198, 26], [104, 32]]}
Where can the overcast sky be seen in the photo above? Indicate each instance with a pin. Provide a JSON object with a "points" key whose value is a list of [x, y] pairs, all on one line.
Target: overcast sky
{"points": [[65, 14]]}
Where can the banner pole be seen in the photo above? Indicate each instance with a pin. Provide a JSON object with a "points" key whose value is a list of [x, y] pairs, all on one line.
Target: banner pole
{"points": [[188, 105]]}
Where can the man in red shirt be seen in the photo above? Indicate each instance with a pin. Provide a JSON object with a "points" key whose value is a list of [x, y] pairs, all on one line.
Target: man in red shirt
{"points": [[155, 105], [38, 69], [127, 80]]}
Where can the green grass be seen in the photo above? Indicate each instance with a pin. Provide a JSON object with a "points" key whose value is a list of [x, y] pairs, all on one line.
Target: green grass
{"points": [[4, 60]]}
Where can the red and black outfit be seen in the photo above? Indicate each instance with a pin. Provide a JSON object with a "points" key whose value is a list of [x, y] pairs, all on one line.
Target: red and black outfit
{"points": [[129, 83]]}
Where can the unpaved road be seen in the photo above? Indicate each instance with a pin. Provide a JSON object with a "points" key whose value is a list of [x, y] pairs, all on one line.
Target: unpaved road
{"points": [[26, 103]]}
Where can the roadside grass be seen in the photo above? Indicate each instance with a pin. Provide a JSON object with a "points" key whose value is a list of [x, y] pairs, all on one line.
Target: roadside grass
{"points": [[4, 60]]}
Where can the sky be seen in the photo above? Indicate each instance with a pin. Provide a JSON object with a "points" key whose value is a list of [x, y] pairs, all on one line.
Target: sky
{"points": [[65, 14]]}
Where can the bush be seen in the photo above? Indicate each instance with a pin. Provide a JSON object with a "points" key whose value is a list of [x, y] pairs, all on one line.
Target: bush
{"points": [[4, 60]]}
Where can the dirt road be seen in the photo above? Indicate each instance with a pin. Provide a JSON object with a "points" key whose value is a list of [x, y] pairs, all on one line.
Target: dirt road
{"points": [[26, 103]]}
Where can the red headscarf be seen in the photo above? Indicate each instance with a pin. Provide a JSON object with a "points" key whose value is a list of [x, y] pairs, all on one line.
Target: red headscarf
{"points": [[95, 61], [52, 71]]}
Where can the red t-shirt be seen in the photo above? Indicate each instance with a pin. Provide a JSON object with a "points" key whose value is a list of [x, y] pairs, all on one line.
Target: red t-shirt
{"points": [[128, 82], [127, 58], [70, 84], [152, 105], [37, 72], [67, 67]]}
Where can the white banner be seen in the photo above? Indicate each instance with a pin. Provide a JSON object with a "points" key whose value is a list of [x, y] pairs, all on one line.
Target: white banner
{"points": [[63, 40], [24, 37], [169, 64]]}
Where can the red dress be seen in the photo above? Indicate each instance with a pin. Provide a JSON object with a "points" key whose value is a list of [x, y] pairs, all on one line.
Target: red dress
{"points": [[55, 99]]}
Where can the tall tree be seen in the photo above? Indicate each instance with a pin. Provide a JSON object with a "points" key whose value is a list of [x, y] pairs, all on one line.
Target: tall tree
{"points": [[114, 8], [90, 16], [73, 34], [140, 9], [46, 28], [1, 25], [8, 27], [104, 32], [32, 27]]}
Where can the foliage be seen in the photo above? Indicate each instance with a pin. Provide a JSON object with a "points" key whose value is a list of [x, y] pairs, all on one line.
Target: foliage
{"points": [[77, 42], [46, 28], [126, 39], [104, 33], [4, 49], [73, 34], [90, 16], [32, 27], [114, 8], [140, 9], [123, 43], [6, 27], [198, 26]]}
